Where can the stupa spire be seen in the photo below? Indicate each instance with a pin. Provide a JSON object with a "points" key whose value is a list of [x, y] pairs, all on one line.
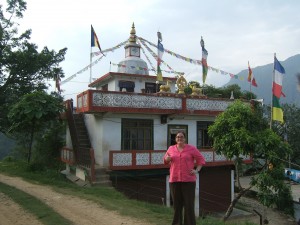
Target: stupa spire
{"points": [[132, 38]]}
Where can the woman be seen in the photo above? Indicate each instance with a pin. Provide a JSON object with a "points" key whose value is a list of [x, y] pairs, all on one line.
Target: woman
{"points": [[182, 158]]}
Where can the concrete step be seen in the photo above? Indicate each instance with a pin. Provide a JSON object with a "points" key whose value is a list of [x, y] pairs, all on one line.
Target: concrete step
{"points": [[106, 183], [76, 180], [101, 177]]}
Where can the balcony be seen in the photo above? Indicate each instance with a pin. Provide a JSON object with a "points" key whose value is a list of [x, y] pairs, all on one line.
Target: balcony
{"points": [[153, 159], [149, 159], [93, 101]]}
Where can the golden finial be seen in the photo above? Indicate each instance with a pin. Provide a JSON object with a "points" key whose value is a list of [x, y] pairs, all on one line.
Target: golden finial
{"points": [[132, 38]]}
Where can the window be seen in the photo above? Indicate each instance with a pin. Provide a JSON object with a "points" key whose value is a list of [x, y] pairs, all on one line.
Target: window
{"points": [[105, 87], [127, 85], [203, 141], [137, 134], [151, 87]]}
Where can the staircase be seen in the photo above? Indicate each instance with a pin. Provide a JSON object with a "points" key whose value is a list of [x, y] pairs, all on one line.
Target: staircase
{"points": [[83, 156], [102, 177], [84, 153]]}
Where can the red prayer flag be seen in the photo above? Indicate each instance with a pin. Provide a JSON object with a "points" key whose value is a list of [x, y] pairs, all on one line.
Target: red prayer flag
{"points": [[254, 82], [249, 73]]}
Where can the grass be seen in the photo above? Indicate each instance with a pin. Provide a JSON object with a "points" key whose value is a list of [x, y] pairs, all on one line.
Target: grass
{"points": [[107, 197]]}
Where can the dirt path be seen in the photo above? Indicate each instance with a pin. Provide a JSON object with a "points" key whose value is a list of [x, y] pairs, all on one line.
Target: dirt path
{"points": [[12, 213], [75, 209], [273, 216], [81, 211]]}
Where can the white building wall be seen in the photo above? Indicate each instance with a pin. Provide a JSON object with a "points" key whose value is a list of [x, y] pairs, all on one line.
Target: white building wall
{"points": [[113, 85], [94, 130], [191, 123], [105, 132], [160, 135], [68, 138], [111, 137]]}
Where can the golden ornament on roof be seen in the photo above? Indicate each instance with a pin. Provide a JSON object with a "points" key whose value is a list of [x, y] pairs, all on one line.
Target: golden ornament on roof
{"points": [[181, 84]]}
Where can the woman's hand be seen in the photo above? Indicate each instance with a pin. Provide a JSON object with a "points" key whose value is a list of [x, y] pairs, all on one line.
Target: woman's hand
{"points": [[168, 158], [194, 171]]}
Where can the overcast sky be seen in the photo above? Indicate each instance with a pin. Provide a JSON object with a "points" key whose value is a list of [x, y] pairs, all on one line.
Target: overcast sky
{"points": [[234, 31]]}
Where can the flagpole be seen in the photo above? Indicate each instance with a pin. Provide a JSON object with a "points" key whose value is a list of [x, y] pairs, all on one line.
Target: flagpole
{"points": [[91, 66], [250, 79], [272, 92], [250, 87]]}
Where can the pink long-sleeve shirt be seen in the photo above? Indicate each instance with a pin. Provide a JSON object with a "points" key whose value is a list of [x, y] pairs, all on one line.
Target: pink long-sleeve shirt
{"points": [[183, 162]]}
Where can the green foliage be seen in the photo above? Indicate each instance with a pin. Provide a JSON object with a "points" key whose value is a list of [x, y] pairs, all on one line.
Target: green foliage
{"points": [[225, 92], [34, 108], [33, 114], [292, 130], [49, 143], [242, 130], [289, 130], [232, 130], [272, 189], [23, 69]]}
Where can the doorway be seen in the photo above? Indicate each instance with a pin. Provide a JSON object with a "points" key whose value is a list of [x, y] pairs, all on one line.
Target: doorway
{"points": [[173, 130]]}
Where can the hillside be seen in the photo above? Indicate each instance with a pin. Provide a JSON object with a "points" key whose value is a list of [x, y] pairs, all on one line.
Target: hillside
{"points": [[263, 76], [6, 145]]}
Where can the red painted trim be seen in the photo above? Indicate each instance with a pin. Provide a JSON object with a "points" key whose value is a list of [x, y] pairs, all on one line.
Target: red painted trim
{"points": [[161, 166], [89, 108]]}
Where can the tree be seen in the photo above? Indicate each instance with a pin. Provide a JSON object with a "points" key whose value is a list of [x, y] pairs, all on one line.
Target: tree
{"points": [[291, 130], [241, 130], [48, 144], [23, 69], [225, 92], [32, 113]]}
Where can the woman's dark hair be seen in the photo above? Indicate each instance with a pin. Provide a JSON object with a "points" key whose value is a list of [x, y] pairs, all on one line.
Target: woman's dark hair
{"points": [[181, 132]]}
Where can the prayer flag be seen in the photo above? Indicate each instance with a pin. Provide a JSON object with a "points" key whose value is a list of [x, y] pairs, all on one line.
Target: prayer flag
{"points": [[94, 39], [251, 77], [159, 74], [159, 36], [253, 82], [204, 61], [277, 113], [160, 52], [277, 79], [249, 73]]}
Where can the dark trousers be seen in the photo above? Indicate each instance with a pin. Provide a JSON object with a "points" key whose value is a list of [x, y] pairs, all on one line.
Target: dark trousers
{"points": [[183, 194]]}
